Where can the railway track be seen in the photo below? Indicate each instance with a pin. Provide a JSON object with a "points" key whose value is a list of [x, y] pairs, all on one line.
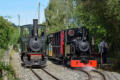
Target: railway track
{"points": [[39, 78], [94, 75], [45, 71], [97, 75], [89, 76]]}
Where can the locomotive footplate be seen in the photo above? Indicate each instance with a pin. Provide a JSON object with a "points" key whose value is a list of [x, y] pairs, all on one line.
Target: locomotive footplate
{"points": [[79, 63], [35, 63], [36, 56], [35, 60]]}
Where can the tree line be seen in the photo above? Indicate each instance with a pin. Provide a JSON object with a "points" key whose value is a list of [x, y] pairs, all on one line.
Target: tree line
{"points": [[9, 33], [101, 17]]}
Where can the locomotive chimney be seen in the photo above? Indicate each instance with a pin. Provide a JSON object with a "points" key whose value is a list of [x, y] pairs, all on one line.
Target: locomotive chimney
{"points": [[35, 24]]}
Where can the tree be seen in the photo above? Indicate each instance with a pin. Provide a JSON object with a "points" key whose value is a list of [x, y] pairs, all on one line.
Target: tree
{"points": [[6, 31], [57, 14], [101, 17], [103, 20]]}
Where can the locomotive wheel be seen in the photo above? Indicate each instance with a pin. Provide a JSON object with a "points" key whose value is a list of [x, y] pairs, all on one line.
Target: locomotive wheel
{"points": [[25, 58], [22, 55], [22, 64], [66, 62], [43, 66]]}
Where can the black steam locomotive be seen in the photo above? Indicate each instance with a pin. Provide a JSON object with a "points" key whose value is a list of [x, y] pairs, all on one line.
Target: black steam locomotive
{"points": [[71, 47], [33, 50]]}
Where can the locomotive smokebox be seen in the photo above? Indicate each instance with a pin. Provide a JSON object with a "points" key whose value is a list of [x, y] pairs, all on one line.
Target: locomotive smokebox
{"points": [[35, 43], [35, 24]]}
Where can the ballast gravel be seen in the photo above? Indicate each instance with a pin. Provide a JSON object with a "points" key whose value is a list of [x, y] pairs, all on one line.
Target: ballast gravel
{"points": [[21, 72], [59, 71]]}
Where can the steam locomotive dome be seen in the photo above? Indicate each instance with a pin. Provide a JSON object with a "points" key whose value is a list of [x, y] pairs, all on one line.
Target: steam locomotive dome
{"points": [[35, 44], [83, 46]]}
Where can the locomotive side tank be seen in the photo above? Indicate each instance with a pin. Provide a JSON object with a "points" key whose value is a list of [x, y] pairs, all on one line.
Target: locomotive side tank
{"points": [[33, 40]]}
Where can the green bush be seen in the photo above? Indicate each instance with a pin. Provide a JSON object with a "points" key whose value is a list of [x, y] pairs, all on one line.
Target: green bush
{"points": [[15, 38], [5, 67], [2, 51], [9, 69], [116, 66], [6, 31]]}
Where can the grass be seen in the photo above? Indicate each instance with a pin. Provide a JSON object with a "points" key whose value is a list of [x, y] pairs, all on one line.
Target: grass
{"points": [[10, 72], [8, 68], [2, 51], [12, 53]]}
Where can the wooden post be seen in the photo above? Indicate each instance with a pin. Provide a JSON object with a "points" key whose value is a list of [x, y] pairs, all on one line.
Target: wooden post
{"points": [[0, 73], [101, 59]]}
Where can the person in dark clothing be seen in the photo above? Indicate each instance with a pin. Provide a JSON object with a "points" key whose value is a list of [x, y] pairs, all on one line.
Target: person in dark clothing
{"points": [[103, 47]]}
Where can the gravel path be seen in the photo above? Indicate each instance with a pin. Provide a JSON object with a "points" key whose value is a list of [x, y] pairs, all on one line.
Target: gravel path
{"points": [[58, 71], [98, 77], [111, 75], [64, 73], [21, 72], [43, 75]]}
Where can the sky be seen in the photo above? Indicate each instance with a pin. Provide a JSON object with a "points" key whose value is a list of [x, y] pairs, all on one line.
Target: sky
{"points": [[27, 9]]}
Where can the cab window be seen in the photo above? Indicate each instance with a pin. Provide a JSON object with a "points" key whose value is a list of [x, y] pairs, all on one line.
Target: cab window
{"points": [[40, 32], [25, 32]]}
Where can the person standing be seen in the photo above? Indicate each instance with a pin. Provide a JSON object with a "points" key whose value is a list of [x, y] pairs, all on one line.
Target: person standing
{"points": [[103, 47]]}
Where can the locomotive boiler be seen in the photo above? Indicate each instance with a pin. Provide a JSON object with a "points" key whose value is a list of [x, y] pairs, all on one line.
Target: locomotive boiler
{"points": [[33, 50], [71, 47]]}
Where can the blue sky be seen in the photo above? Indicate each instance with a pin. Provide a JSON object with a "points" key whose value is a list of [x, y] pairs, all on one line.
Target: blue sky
{"points": [[27, 9]]}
